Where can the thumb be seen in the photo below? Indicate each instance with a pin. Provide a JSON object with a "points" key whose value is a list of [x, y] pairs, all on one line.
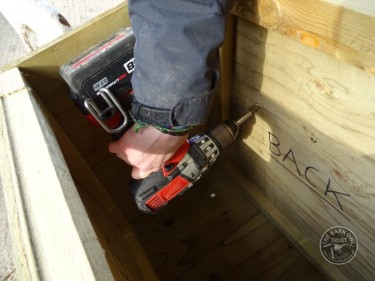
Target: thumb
{"points": [[138, 174]]}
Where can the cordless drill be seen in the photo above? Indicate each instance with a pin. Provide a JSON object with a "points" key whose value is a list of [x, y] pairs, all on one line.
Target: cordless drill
{"points": [[186, 166], [99, 83]]}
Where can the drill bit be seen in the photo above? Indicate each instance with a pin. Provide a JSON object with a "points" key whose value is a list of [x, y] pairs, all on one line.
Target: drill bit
{"points": [[251, 112]]}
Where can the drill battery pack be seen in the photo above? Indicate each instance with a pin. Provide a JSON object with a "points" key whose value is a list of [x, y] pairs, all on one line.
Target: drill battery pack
{"points": [[99, 80]]}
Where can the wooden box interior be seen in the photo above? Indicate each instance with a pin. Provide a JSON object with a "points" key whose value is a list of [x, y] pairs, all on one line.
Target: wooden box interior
{"points": [[258, 214]]}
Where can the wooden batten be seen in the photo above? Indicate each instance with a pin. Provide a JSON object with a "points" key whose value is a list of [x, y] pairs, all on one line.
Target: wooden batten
{"points": [[53, 237], [342, 29]]}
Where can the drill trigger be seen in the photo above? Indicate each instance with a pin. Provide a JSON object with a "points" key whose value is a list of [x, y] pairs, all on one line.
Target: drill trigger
{"points": [[172, 163]]}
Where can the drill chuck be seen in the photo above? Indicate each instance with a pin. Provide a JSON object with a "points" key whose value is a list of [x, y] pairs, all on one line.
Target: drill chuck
{"points": [[226, 131]]}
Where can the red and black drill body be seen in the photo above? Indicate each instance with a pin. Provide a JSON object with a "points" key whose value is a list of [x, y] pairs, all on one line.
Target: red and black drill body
{"points": [[186, 166]]}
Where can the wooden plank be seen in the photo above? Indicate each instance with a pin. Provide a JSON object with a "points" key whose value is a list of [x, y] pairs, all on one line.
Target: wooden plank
{"points": [[344, 30], [213, 232], [131, 263], [56, 240], [365, 7], [311, 149], [7, 270], [17, 246], [224, 91], [124, 253], [283, 223], [20, 242]]}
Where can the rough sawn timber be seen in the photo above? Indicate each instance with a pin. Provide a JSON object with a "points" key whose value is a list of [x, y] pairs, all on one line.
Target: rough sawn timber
{"points": [[316, 112], [342, 29], [311, 150], [52, 236]]}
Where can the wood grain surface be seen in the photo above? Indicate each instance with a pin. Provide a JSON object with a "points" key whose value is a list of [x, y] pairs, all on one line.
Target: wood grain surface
{"points": [[213, 232], [342, 29], [311, 149], [16, 240], [310, 153], [8, 270], [123, 251], [52, 237]]}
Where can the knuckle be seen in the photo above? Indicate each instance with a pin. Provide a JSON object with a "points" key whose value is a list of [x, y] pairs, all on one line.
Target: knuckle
{"points": [[144, 166]]}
